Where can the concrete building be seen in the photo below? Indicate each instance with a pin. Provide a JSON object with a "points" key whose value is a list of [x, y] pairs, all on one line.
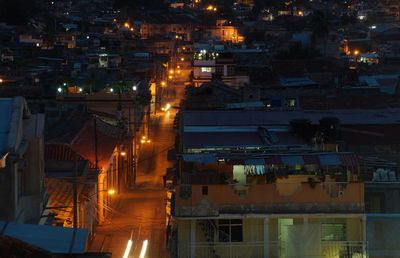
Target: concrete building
{"points": [[259, 190], [22, 192], [207, 65]]}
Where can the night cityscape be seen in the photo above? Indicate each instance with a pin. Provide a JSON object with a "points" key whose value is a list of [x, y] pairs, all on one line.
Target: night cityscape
{"points": [[200, 128]]}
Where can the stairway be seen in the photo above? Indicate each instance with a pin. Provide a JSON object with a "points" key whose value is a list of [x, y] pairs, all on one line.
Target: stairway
{"points": [[209, 228]]}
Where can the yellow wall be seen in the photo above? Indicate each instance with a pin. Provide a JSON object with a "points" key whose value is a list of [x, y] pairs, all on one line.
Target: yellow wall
{"points": [[253, 236]]}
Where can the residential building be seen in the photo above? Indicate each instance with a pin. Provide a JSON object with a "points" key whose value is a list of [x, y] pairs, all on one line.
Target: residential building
{"points": [[209, 64], [61, 173], [106, 164], [256, 187], [22, 192]]}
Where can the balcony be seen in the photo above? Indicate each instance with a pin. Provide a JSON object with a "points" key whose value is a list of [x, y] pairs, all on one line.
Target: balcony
{"points": [[324, 249], [277, 198]]}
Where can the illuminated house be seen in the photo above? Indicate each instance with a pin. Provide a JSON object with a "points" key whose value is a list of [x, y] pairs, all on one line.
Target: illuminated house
{"points": [[249, 187], [207, 64], [225, 31]]}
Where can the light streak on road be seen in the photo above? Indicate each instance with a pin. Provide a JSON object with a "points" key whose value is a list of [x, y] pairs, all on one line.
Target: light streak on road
{"points": [[144, 249], [128, 249]]}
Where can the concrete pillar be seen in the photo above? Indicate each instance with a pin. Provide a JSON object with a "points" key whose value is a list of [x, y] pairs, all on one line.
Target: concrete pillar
{"points": [[266, 238], [193, 238], [364, 230]]}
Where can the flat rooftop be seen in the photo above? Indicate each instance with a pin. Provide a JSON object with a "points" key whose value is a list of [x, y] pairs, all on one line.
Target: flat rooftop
{"points": [[263, 118]]}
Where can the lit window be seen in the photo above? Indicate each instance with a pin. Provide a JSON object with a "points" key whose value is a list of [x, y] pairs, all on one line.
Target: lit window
{"points": [[206, 69]]}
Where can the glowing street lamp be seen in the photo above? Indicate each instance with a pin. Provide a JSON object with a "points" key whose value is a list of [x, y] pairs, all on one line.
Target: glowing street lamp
{"points": [[59, 89], [163, 83], [1, 80], [123, 153], [111, 192]]}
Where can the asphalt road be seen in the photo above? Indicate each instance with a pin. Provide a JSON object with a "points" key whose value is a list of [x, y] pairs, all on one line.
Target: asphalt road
{"points": [[140, 212]]}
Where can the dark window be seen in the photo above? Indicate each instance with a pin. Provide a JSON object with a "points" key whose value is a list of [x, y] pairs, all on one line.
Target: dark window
{"points": [[231, 70], [204, 190], [374, 202], [230, 230], [219, 70]]}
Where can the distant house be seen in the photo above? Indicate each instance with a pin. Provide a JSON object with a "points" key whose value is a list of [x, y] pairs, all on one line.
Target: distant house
{"points": [[207, 65], [384, 83], [22, 192]]}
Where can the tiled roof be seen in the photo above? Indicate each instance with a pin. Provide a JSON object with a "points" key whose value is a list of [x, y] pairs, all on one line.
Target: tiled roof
{"points": [[61, 151], [84, 143]]}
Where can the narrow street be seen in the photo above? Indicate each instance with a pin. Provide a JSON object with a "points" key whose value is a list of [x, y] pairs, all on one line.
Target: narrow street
{"points": [[141, 211]]}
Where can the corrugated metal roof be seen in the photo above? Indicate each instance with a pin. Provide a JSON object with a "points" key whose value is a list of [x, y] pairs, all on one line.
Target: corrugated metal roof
{"points": [[6, 108], [292, 160], [269, 118], [221, 139], [329, 160], [254, 162], [323, 159], [53, 239]]}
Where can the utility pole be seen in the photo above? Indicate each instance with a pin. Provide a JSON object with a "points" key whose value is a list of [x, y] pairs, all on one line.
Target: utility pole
{"points": [[99, 186], [75, 191]]}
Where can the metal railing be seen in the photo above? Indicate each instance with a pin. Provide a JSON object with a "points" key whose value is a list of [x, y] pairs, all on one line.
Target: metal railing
{"points": [[342, 249]]}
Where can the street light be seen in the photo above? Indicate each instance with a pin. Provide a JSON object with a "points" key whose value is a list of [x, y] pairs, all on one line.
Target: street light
{"points": [[111, 192], [145, 140], [134, 88]]}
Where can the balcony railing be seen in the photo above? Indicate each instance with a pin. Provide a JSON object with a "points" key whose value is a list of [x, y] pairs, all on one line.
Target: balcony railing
{"points": [[344, 249], [212, 200]]}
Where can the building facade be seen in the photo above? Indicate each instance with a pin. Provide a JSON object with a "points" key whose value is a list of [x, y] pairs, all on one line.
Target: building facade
{"points": [[22, 192]]}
